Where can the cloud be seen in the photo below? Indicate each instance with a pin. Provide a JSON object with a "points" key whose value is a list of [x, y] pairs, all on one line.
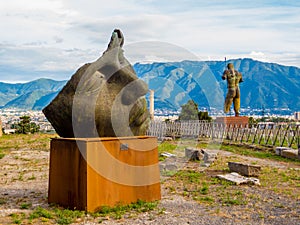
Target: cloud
{"points": [[38, 60], [60, 35], [154, 51]]}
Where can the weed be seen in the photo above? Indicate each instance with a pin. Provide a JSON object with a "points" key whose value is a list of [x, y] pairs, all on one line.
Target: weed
{"points": [[20, 178], [207, 199], [230, 201], [32, 177], [40, 212], [25, 205], [261, 215], [162, 158], [279, 205], [204, 189], [2, 201], [67, 216], [168, 173], [161, 211], [225, 183], [17, 218], [236, 199], [1, 154]]}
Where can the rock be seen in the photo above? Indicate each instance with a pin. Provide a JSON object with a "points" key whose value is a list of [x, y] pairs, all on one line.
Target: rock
{"points": [[279, 150], [209, 156], [167, 139], [102, 99], [238, 179], [171, 167], [193, 153], [290, 153], [203, 164], [167, 154], [244, 169], [161, 167]]}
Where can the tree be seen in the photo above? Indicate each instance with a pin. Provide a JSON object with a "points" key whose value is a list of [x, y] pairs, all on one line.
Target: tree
{"points": [[189, 111], [25, 126], [204, 116]]}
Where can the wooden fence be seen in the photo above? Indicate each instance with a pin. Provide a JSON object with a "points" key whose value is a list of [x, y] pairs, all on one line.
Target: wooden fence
{"points": [[281, 134]]}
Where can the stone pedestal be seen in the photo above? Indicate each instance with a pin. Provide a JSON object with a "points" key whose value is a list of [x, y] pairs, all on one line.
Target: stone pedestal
{"points": [[233, 121], [87, 173]]}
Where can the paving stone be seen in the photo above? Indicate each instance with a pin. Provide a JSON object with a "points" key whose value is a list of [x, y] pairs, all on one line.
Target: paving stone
{"points": [[239, 179]]}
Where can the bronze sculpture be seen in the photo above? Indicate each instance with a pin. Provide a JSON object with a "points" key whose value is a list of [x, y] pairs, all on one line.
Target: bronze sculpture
{"points": [[102, 99], [233, 78]]}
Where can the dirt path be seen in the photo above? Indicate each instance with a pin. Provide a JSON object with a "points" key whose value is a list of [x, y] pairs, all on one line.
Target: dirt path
{"points": [[24, 184]]}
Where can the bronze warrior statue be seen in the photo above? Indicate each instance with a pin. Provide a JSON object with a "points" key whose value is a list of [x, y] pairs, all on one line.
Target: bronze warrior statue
{"points": [[233, 78]]}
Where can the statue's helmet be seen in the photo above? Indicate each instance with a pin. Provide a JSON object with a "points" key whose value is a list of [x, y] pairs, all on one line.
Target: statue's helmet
{"points": [[230, 66]]}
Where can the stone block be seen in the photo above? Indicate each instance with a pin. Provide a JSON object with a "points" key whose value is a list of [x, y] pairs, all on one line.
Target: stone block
{"points": [[244, 169], [290, 154], [193, 154], [279, 150], [209, 156]]}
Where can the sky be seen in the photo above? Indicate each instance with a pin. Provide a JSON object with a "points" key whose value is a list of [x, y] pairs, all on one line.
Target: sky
{"points": [[53, 38]]}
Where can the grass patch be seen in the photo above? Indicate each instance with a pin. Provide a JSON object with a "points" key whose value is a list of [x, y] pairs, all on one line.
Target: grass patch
{"points": [[166, 147], [282, 181], [120, 210], [67, 216], [18, 218], [234, 198], [30, 141], [39, 212], [188, 176], [257, 151]]}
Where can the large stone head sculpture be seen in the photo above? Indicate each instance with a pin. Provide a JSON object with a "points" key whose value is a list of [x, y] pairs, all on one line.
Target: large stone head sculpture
{"points": [[102, 99]]}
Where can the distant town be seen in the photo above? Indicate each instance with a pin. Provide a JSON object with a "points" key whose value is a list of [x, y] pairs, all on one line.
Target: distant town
{"points": [[9, 117]]}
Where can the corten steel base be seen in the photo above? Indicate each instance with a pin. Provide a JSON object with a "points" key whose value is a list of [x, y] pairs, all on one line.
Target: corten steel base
{"points": [[234, 121], [88, 173]]}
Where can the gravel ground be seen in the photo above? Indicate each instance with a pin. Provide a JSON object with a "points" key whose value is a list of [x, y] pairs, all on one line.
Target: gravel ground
{"points": [[24, 179]]}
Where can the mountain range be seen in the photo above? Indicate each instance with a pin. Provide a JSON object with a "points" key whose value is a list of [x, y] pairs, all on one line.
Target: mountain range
{"points": [[32, 95], [266, 85]]}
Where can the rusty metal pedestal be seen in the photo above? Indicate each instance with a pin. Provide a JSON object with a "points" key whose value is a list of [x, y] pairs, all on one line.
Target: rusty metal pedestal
{"points": [[87, 173]]}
